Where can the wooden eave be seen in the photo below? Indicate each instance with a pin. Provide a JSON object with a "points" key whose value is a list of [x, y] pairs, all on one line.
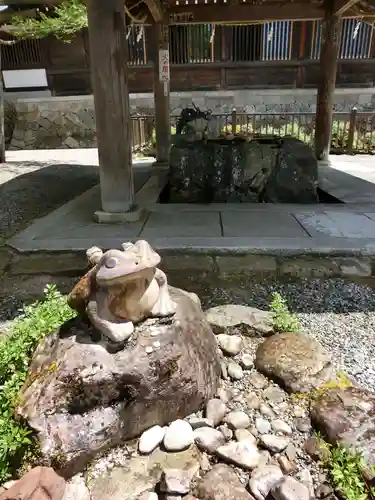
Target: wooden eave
{"points": [[229, 11]]}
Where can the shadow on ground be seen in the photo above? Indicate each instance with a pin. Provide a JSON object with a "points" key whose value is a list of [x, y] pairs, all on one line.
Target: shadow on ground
{"points": [[30, 190]]}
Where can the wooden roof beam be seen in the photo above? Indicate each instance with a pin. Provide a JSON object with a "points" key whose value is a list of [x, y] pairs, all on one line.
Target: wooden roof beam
{"points": [[342, 6], [243, 13], [156, 9]]}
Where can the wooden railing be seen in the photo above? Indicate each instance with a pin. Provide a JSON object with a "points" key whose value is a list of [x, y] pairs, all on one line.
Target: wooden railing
{"points": [[352, 132]]}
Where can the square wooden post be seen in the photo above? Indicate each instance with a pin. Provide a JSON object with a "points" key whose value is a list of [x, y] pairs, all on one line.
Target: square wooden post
{"points": [[331, 36], [109, 75], [161, 93]]}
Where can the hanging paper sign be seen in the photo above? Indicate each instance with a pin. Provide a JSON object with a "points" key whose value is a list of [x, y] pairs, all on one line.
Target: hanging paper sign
{"points": [[166, 89], [164, 65]]}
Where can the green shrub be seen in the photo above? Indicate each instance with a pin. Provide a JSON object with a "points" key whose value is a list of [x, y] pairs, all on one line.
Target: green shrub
{"points": [[283, 320], [16, 350], [346, 468]]}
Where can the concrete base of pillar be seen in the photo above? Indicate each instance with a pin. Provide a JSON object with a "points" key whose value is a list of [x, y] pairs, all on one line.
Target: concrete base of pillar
{"points": [[134, 215]]}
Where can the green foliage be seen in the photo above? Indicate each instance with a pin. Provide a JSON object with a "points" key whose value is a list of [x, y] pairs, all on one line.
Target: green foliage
{"points": [[283, 320], [16, 349], [346, 468], [67, 18]]}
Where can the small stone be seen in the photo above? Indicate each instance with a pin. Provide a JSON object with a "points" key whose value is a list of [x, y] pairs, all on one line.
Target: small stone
{"points": [[263, 479], [208, 439], [178, 481], [305, 478], [252, 401], [289, 488], [76, 489], [323, 491], [179, 436], [265, 458], [235, 372], [231, 345], [149, 349], [197, 422], [225, 395], [8, 484], [286, 465], [262, 425], [204, 462], [244, 435], [239, 398], [147, 495], [299, 412], [156, 344], [274, 394], [316, 449], [266, 410], [224, 370], [302, 424], [238, 419], [222, 483], [258, 380], [151, 439], [247, 361], [275, 444], [226, 432], [253, 430], [244, 454], [282, 427], [215, 411], [291, 451]]}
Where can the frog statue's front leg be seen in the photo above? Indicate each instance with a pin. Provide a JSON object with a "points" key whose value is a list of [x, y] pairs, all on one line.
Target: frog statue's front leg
{"points": [[164, 305], [103, 320]]}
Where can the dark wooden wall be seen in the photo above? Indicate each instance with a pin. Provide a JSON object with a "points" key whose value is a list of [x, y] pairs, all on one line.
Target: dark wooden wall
{"points": [[68, 67]]}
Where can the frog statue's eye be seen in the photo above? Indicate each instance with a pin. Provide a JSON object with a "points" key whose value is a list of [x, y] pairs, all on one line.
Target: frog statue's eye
{"points": [[111, 262]]}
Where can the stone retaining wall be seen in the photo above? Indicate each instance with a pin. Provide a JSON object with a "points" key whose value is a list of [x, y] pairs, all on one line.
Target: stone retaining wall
{"points": [[29, 273], [69, 122]]}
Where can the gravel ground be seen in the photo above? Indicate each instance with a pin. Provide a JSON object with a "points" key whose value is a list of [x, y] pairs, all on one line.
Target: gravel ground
{"points": [[339, 314]]}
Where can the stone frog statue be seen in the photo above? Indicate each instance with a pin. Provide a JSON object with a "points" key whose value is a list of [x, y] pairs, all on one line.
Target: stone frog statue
{"points": [[122, 288]]}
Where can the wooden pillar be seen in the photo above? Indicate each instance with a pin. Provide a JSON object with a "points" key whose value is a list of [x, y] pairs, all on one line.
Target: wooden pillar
{"points": [[161, 92], [2, 114], [331, 36], [109, 75]]}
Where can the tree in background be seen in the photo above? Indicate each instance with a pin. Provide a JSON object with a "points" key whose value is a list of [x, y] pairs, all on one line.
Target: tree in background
{"points": [[61, 21]]}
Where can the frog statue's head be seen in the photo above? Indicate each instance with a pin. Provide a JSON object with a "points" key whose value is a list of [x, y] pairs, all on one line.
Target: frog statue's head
{"points": [[115, 267]]}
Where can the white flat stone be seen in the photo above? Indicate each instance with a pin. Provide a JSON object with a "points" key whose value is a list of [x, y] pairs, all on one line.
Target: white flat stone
{"points": [[179, 436], [151, 439]]}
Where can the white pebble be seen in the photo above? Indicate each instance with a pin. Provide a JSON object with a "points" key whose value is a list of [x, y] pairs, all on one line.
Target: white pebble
{"points": [[149, 349], [151, 439], [156, 344], [179, 436]]}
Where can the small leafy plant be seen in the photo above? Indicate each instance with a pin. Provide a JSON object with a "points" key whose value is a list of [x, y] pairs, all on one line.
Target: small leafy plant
{"points": [[16, 350], [283, 320], [346, 468]]}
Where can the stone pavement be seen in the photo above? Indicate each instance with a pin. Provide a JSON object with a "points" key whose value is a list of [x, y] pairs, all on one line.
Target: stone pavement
{"points": [[346, 229]]}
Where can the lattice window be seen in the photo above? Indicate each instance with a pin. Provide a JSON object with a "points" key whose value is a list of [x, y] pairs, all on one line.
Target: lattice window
{"points": [[356, 39], [192, 43], [277, 41]]}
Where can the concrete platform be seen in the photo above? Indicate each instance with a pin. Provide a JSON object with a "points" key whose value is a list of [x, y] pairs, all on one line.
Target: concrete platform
{"points": [[280, 232]]}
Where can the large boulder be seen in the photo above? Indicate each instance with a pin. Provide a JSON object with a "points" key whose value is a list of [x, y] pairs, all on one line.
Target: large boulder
{"points": [[41, 483], [264, 169], [81, 398], [295, 361], [347, 417]]}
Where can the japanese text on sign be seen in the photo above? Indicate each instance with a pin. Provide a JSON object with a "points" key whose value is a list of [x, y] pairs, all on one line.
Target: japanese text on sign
{"points": [[164, 65]]}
